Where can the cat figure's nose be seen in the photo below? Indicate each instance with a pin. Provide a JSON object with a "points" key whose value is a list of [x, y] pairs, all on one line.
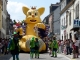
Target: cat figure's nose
{"points": [[32, 15]]}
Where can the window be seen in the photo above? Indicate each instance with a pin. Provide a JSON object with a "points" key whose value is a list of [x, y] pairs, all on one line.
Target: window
{"points": [[70, 18], [77, 11], [3, 23], [2, 20], [70, 35], [2, 7], [62, 22], [61, 7], [62, 37], [67, 36], [66, 20]]}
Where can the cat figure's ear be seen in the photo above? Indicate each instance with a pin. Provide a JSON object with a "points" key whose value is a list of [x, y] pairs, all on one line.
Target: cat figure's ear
{"points": [[41, 10], [25, 9]]}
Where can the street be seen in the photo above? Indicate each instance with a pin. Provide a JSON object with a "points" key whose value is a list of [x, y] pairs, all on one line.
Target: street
{"points": [[26, 56]]}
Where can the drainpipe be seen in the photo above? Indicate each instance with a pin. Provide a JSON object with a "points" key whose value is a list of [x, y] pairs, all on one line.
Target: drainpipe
{"points": [[73, 19], [52, 23]]}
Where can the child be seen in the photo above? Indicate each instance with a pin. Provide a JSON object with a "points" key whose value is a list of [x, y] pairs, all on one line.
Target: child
{"points": [[64, 49]]}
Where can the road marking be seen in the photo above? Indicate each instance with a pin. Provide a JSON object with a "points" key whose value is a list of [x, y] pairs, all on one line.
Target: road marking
{"points": [[73, 59], [69, 57]]}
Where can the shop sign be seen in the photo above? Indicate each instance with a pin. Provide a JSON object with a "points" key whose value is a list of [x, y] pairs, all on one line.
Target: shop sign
{"points": [[76, 23]]}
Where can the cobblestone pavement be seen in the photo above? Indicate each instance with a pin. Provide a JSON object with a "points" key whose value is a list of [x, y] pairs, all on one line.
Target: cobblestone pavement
{"points": [[25, 56]]}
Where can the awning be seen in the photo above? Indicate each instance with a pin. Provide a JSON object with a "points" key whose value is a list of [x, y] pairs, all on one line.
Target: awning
{"points": [[75, 29]]}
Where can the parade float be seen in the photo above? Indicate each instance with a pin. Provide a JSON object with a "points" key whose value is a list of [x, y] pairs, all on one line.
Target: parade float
{"points": [[31, 26]]}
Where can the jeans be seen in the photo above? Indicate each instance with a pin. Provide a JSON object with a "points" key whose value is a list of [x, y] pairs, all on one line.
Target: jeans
{"points": [[17, 57], [54, 52], [68, 50]]}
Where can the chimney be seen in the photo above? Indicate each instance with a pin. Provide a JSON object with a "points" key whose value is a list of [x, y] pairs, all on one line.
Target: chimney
{"points": [[57, 3]]}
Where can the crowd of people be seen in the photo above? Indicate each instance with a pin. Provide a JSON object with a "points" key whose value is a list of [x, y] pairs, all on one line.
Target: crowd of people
{"points": [[3, 45], [52, 45], [70, 47], [67, 47]]}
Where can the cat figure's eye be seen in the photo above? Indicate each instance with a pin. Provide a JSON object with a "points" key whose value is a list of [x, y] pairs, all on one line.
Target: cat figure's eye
{"points": [[35, 14], [29, 13]]}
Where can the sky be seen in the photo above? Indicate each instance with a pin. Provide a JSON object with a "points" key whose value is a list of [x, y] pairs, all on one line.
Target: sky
{"points": [[14, 7]]}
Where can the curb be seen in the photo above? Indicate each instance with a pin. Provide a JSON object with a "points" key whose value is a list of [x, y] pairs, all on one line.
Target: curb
{"points": [[68, 57]]}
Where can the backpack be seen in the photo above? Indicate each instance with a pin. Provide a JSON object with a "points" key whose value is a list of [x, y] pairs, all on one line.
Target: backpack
{"points": [[55, 44], [15, 40], [12, 45]]}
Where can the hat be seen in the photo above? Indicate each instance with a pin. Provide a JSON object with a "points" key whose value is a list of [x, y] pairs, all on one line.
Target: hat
{"points": [[14, 33], [32, 38]]}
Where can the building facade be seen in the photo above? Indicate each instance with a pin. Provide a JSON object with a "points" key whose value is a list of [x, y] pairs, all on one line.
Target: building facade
{"points": [[4, 16], [53, 12], [53, 7], [56, 22], [75, 20], [67, 19], [50, 23], [9, 26], [45, 20], [0, 16]]}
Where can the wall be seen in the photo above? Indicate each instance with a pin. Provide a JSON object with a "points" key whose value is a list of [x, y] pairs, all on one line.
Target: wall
{"points": [[0, 16], [62, 24], [50, 23], [56, 22], [72, 9], [69, 27], [4, 16]]}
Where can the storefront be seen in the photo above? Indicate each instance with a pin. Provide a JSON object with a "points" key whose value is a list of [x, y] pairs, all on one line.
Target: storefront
{"points": [[76, 29]]}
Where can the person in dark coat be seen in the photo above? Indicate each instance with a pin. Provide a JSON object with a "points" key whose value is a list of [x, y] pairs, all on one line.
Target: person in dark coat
{"points": [[36, 48], [13, 46]]}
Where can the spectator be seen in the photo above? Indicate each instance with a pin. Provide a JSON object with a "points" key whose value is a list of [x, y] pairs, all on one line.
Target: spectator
{"points": [[68, 47], [0, 47], [77, 47], [13, 46], [3, 44], [74, 50]]}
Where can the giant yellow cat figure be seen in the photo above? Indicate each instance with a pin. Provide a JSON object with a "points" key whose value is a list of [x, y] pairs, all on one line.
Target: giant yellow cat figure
{"points": [[32, 20]]}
